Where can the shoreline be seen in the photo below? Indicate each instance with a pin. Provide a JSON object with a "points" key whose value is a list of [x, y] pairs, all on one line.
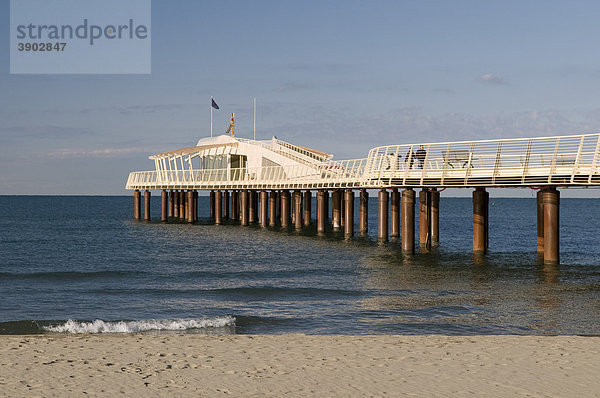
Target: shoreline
{"points": [[299, 365]]}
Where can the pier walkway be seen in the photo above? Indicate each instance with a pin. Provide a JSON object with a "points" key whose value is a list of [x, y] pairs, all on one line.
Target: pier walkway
{"points": [[251, 170]]}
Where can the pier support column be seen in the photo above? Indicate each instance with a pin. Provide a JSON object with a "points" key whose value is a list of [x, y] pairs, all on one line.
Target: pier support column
{"points": [[147, 205], [264, 208], [540, 222], [175, 204], [349, 213], [321, 211], [212, 204], [181, 204], [195, 208], [382, 230], [480, 220], [435, 218], [551, 200], [363, 217], [137, 204], [326, 216], [307, 208], [164, 206], [336, 209], [244, 210], [408, 221], [251, 207], [190, 206], [171, 204], [226, 204], [395, 214], [218, 207], [342, 209], [273, 209], [298, 209], [285, 208], [424, 219]]}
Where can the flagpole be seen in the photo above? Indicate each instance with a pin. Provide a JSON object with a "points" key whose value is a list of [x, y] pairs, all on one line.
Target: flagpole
{"points": [[211, 117], [254, 118]]}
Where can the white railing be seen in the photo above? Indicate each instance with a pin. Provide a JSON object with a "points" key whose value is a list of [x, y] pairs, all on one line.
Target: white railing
{"points": [[567, 160]]}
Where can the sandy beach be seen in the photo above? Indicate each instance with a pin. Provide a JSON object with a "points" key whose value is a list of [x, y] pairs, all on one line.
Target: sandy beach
{"points": [[299, 365]]}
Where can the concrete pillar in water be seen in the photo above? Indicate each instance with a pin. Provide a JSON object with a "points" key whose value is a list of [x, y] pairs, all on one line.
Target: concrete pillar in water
{"points": [[326, 217], [235, 206], [164, 206], [540, 221], [171, 204], [435, 218], [225, 204], [382, 229], [363, 224], [551, 200], [137, 205], [244, 208], [147, 205], [349, 213], [307, 208], [212, 204], [273, 209], [298, 209], [395, 214], [264, 208], [175, 204], [285, 208], [182, 204], [256, 195], [408, 221], [190, 205], [218, 207], [424, 219], [321, 211], [195, 214], [479, 220], [336, 209], [342, 209], [251, 208]]}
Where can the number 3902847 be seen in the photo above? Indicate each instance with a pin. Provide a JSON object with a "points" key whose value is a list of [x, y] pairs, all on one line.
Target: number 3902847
{"points": [[47, 47]]}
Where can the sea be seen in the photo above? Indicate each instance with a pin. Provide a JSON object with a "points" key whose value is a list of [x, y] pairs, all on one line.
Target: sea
{"points": [[82, 264]]}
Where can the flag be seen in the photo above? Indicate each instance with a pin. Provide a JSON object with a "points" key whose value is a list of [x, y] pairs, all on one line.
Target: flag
{"points": [[214, 104]]}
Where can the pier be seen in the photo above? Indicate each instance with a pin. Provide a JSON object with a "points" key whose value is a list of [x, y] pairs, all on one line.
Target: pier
{"points": [[271, 183]]}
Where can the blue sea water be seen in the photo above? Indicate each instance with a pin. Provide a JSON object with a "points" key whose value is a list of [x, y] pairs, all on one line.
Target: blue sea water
{"points": [[82, 264]]}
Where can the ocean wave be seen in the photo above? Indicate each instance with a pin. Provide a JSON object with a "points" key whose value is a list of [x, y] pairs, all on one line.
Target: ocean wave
{"points": [[100, 326]]}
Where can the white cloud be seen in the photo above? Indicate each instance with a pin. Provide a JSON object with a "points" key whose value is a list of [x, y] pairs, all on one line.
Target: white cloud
{"points": [[491, 78], [97, 153]]}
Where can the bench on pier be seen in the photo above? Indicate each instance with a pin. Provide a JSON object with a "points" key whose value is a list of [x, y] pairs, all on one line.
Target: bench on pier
{"points": [[458, 157]]}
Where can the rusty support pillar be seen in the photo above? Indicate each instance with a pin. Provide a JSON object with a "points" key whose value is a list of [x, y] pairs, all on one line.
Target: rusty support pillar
{"points": [[256, 195], [181, 204], [540, 222], [307, 208], [408, 221], [195, 206], [234, 205], [395, 214], [226, 204], [363, 223], [349, 213], [321, 211], [171, 204], [285, 208], [336, 209], [342, 209], [479, 220], [251, 207], [435, 218], [297, 209], [264, 208], [164, 206], [326, 217], [137, 205], [244, 209], [218, 207], [190, 206], [212, 204], [175, 204], [424, 219], [273, 209], [382, 230], [551, 200], [147, 205]]}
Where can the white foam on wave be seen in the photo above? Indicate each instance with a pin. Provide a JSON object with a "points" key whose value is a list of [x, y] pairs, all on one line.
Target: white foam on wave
{"points": [[100, 326]]}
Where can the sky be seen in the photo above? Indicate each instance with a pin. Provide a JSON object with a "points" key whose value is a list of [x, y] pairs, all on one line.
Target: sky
{"points": [[339, 76]]}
